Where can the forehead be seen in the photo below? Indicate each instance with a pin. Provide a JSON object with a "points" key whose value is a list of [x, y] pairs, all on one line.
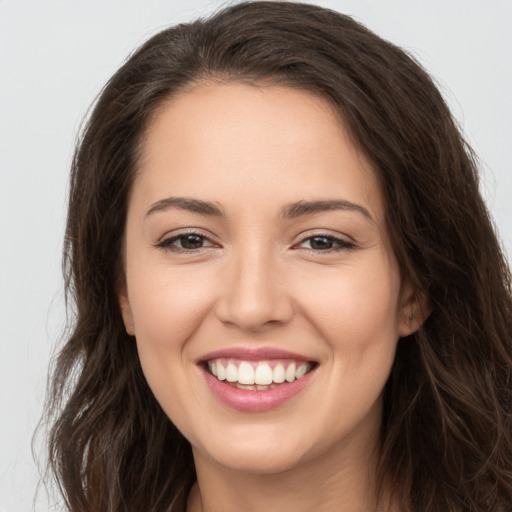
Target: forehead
{"points": [[241, 144]]}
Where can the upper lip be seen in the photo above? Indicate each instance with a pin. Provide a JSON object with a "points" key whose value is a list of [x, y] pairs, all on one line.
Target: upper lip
{"points": [[253, 354]]}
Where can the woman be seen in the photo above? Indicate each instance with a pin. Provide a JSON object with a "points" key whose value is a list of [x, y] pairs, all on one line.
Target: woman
{"points": [[289, 294]]}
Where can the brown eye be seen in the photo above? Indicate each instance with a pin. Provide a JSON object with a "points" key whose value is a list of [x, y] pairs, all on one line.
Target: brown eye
{"points": [[191, 241], [325, 243], [321, 243], [186, 242]]}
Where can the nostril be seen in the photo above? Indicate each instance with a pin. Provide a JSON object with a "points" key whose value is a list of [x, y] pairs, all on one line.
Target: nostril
{"points": [[253, 296], [254, 316]]}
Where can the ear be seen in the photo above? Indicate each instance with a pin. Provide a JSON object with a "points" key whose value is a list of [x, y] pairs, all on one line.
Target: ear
{"points": [[414, 310], [126, 311]]}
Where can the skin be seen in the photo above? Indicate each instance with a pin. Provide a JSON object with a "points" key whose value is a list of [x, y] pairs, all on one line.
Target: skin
{"points": [[256, 280]]}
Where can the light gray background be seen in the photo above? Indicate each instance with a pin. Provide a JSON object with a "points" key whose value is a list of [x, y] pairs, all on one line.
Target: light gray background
{"points": [[54, 58]]}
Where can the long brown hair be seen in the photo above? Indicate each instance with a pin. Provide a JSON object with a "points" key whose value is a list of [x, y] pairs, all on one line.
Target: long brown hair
{"points": [[447, 424]]}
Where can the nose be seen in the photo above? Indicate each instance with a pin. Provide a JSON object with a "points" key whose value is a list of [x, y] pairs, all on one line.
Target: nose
{"points": [[253, 293]]}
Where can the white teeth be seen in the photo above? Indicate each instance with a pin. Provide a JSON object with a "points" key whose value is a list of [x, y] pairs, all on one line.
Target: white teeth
{"points": [[301, 370], [263, 375], [231, 373], [221, 371], [255, 387], [290, 372], [245, 373], [278, 375], [244, 386]]}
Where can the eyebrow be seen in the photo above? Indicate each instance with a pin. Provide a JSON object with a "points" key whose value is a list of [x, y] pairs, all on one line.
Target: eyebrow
{"points": [[186, 203], [301, 208], [290, 211]]}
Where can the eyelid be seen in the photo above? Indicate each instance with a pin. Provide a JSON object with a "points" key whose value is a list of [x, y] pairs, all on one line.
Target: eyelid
{"points": [[165, 241], [344, 243]]}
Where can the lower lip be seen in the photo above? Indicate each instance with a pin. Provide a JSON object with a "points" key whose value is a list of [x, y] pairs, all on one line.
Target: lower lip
{"points": [[253, 400]]}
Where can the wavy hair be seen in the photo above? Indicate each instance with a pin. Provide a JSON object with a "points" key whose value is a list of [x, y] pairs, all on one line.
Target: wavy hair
{"points": [[446, 437]]}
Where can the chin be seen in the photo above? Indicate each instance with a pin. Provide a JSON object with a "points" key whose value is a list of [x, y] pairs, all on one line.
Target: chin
{"points": [[254, 460], [257, 449]]}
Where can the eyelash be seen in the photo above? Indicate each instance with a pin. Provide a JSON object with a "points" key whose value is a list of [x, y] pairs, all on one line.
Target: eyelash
{"points": [[166, 244], [342, 245]]}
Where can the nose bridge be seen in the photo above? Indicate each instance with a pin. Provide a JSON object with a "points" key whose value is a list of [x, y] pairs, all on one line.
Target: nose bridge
{"points": [[254, 294]]}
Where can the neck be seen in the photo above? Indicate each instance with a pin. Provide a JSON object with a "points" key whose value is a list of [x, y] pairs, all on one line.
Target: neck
{"points": [[343, 482]]}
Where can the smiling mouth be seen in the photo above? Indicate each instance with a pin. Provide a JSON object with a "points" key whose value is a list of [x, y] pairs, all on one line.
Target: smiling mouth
{"points": [[258, 375]]}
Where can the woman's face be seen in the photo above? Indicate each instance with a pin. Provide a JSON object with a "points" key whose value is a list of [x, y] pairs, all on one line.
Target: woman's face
{"points": [[256, 250]]}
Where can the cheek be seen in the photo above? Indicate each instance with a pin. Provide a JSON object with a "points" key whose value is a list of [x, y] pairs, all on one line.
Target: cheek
{"points": [[355, 314], [166, 304], [355, 307], [168, 307]]}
